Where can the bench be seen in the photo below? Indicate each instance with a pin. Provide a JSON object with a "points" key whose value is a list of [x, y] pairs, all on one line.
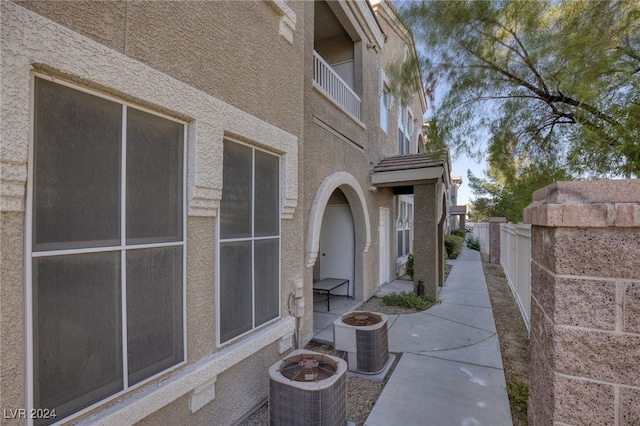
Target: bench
{"points": [[327, 285]]}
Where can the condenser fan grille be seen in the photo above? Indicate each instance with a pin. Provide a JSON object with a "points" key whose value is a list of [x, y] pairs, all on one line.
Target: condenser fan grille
{"points": [[308, 368], [361, 319]]}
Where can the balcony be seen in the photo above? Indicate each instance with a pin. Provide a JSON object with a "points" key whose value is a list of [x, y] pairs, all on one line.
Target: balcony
{"points": [[334, 86]]}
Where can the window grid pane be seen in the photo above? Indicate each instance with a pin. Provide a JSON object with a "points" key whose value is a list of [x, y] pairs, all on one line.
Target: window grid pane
{"points": [[154, 178], [407, 242], [267, 194], [235, 206], [235, 285], [384, 105], [77, 298], [249, 287], [267, 280], [79, 295], [154, 311], [76, 169]]}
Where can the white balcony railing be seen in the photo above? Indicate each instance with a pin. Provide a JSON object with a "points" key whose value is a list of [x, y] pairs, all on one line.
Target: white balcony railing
{"points": [[334, 86]]}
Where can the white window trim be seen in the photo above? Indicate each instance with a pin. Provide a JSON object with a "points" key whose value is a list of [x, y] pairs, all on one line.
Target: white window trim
{"points": [[384, 106], [82, 59], [404, 222], [252, 238], [122, 248], [405, 121], [383, 86]]}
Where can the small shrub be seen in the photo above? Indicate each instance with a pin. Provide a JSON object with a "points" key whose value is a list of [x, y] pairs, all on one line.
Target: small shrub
{"points": [[459, 232], [453, 245], [410, 265], [518, 393], [473, 243], [408, 300]]}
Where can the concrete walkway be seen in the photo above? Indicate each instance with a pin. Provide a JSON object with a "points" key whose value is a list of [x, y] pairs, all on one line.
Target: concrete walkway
{"points": [[450, 372]]}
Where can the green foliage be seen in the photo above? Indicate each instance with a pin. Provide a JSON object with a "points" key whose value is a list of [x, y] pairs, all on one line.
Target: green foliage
{"points": [[506, 192], [518, 393], [473, 243], [459, 232], [552, 82], [410, 265], [404, 78], [453, 245], [408, 300]]}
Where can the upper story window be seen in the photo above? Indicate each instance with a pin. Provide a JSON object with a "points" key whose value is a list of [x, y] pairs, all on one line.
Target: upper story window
{"points": [[334, 66], [384, 108], [405, 130], [107, 220], [249, 244]]}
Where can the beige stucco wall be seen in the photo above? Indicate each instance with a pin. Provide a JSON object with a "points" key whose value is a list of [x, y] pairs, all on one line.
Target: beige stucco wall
{"points": [[251, 82], [336, 143], [11, 311], [230, 50], [103, 57], [347, 145]]}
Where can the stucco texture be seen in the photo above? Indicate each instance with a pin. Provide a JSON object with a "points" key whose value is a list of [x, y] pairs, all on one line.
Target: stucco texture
{"points": [[74, 46], [202, 44], [12, 313]]}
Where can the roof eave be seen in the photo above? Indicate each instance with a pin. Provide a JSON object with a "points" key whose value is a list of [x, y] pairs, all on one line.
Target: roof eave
{"points": [[407, 177]]}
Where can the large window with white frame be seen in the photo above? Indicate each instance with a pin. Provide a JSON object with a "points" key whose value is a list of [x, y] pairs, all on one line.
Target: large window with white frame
{"points": [[404, 225], [405, 129], [384, 108], [249, 243], [106, 241]]}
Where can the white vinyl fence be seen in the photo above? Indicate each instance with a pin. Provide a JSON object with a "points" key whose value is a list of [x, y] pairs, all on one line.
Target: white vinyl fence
{"points": [[515, 258], [481, 232]]}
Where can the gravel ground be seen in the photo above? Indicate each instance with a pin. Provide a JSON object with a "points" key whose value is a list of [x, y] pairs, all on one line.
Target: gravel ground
{"points": [[362, 394], [513, 334]]}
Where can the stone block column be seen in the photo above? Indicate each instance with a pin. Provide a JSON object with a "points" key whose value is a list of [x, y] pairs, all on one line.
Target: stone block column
{"points": [[585, 303], [426, 264], [494, 238]]}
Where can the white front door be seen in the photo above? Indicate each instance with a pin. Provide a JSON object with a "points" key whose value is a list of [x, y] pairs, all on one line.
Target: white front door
{"points": [[383, 237], [337, 245]]}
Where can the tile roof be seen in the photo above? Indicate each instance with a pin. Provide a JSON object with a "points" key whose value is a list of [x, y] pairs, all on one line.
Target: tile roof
{"points": [[460, 209], [409, 162]]}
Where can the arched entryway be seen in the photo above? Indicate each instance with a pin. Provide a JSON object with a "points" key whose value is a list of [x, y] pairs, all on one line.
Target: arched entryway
{"points": [[338, 236], [336, 256], [354, 195]]}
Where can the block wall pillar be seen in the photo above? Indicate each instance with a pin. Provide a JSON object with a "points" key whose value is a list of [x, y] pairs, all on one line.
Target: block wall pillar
{"points": [[426, 261], [585, 303], [494, 238]]}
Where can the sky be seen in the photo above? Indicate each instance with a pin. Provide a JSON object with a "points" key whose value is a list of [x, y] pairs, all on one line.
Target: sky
{"points": [[459, 167]]}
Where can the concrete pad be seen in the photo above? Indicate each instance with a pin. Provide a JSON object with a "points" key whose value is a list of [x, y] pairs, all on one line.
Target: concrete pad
{"points": [[323, 320], [378, 377], [467, 296], [324, 336], [424, 390], [396, 286], [391, 319], [485, 353], [479, 317], [420, 332]]}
